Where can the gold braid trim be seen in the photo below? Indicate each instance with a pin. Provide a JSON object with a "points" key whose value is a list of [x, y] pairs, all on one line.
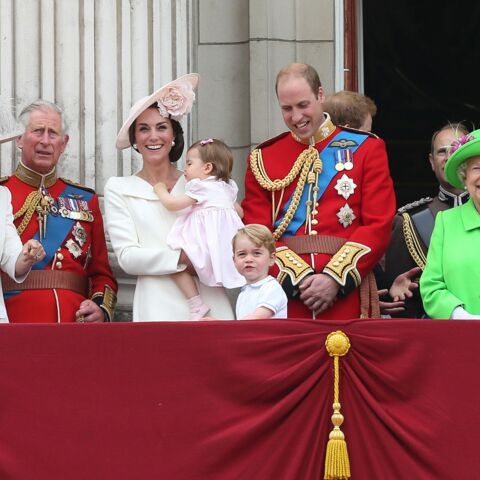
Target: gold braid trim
{"points": [[108, 301], [27, 209], [412, 242], [302, 165], [345, 262]]}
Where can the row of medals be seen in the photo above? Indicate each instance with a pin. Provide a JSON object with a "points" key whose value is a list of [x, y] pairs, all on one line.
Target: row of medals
{"points": [[47, 205], [344, 160]]}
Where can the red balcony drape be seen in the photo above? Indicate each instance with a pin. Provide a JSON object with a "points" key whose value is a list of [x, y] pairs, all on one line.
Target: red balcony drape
{"points": [[237, 400]]}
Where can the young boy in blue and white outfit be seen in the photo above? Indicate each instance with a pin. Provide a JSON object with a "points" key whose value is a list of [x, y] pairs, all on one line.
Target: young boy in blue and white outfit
{"points": [[253, 255]]}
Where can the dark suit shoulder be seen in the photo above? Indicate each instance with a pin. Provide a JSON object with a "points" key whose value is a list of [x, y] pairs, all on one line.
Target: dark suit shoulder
{"points": [[78, 185], [415, 206]]}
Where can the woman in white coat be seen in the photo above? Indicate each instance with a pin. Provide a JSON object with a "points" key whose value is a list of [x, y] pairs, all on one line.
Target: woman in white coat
{"points": [[138, 223]]}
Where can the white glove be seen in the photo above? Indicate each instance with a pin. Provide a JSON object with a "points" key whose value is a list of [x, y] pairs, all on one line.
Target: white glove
{"points": [[459, 313]]}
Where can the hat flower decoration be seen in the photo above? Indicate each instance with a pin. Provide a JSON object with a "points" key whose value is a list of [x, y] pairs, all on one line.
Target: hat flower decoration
{"points": [[456, 144], [176, 100]]}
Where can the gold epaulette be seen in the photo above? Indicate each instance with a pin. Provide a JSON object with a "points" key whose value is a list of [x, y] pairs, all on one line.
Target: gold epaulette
{"points": [[27, 210], [78, 185], [289, 263], [357, 130], [345, 261], [109, 300], [413, 205]]}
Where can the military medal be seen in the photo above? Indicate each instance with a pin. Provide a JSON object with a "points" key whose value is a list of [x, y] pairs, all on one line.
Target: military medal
{"points": [[345, 186], [339, 166], [346, 216], [349, 163]]}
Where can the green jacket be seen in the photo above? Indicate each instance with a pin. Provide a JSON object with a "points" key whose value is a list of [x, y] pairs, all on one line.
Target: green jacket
{"points": [[452, 273]]}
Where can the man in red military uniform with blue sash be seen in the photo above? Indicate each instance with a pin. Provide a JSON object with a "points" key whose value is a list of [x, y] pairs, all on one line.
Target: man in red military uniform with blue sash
{"points": [[327, 194], [74, 282]]}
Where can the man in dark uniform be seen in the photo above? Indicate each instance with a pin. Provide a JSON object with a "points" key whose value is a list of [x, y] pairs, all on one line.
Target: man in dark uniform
{"points": [[327, 195], [74, 281], [413, 225]]}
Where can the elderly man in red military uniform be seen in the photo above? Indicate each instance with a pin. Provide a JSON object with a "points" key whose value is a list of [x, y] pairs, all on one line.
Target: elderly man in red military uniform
{"points": [[74, 281], [327, 194]]}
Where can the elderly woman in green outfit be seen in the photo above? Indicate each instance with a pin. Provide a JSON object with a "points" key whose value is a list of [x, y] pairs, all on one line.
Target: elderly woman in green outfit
{"points": [[450, 284]]}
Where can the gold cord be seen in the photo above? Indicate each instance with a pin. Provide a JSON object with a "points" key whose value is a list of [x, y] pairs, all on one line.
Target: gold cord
{"points": [[412, 242], [27, 209], [301, 166], [258, 170]]}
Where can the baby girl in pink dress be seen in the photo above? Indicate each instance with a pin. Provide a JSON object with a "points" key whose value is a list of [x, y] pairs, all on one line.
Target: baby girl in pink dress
{"points": [[205, 231]]}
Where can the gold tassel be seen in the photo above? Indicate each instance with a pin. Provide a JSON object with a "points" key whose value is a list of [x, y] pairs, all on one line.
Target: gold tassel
{"points": [[337, 464]]}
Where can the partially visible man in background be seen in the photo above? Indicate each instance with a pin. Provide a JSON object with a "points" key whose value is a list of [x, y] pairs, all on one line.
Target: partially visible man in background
{"points": [[413, 226], [351, 109]]}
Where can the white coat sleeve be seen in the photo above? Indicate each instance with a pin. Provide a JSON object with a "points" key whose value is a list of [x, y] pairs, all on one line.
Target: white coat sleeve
{"points": [[133, 258], [12, 245]]}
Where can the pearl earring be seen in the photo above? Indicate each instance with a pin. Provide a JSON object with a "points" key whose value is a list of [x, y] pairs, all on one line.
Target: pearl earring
{"points": [[173, 143]]}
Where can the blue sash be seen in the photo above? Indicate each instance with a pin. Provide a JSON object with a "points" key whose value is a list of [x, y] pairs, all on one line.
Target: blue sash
{"points": [[58, 228], [328, 156]]}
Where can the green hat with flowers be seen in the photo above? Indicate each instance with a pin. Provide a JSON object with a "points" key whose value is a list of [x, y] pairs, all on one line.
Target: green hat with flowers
{"points": [[461, 150]]}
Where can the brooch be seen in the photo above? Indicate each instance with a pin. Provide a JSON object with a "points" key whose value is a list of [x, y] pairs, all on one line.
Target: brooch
{"points": [[73, 248], [346, 216], [79, 234], [345, 186]]}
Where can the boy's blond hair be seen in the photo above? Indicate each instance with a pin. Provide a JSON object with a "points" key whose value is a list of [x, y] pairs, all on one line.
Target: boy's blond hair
{"points": [[260, 235]]}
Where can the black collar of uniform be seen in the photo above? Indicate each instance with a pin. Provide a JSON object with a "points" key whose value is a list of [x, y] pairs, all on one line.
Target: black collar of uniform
{"points": [[34, 179], [451, 199]]}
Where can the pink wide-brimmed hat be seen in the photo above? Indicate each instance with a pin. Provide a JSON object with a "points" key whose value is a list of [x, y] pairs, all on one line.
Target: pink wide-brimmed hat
{"points": [[9, 129], [174, 100]]}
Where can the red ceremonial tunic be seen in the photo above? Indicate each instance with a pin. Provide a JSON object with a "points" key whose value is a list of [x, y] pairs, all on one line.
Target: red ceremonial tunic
{"points": [[83, 251], [371, 200]]}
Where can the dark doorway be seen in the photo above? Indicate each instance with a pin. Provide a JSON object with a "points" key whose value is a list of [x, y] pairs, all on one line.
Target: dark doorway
{"points": [[421, 62]]}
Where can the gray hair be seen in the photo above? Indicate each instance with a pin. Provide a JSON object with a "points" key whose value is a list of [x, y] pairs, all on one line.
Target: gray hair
{"points": [[462, 171], [43, 105]]}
